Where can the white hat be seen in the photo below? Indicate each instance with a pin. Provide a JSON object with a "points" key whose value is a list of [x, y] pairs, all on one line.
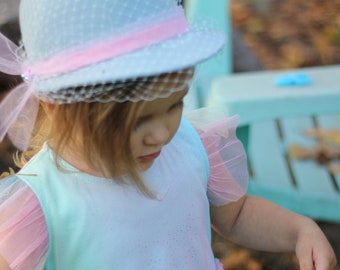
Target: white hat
{"points": [[87, 42], [90, 50]]}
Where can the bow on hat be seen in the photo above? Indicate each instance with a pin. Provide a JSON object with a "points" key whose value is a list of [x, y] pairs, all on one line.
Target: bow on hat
{"points": [[19, 108]]}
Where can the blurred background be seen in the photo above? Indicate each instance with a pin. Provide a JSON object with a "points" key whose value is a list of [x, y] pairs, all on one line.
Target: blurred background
{"points": [[289, 33], [8, 10]]}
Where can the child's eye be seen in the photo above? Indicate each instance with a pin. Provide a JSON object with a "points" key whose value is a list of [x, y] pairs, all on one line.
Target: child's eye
{"points": [[138, 124]]}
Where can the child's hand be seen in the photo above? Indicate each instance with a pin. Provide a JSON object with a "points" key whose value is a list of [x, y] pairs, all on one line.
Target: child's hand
{"points": [[313, 249]]}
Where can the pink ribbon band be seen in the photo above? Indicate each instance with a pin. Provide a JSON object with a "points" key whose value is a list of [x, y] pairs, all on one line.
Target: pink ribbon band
{"points": [[60, 64]]}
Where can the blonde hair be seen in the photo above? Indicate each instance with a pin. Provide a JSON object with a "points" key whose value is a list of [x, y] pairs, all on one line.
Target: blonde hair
{"points": [[102, 130]]}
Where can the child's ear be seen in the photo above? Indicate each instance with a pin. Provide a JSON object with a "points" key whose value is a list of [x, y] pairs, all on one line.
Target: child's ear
{"points": [[48, 108]]}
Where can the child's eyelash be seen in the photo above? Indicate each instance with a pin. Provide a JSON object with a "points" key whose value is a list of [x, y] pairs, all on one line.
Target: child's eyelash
{"points": [[137, 125], [177, 105]]}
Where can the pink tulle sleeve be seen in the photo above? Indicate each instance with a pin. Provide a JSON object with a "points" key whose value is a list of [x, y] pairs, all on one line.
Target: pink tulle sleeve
{"points": [[228, 179], [23, 231]]}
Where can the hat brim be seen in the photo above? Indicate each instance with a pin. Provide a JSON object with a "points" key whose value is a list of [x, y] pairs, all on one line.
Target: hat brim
{"points": [[180, 52]]}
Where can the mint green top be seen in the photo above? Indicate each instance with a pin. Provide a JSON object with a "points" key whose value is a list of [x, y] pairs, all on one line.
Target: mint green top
{"points": [[94, 223]]}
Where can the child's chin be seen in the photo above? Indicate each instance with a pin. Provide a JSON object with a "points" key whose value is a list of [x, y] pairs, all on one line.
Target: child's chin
{"points": [[145, 165]]}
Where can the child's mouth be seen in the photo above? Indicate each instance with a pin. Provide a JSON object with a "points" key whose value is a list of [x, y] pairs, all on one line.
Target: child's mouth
{"points": [[150, 157]]}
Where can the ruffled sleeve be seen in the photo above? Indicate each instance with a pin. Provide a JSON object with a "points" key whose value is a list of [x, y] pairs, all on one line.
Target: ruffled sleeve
{"points": [[23, 231], [228, 179]]}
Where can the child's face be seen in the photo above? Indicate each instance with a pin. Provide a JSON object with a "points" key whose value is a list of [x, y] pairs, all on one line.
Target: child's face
{"points": [[156, 125]]}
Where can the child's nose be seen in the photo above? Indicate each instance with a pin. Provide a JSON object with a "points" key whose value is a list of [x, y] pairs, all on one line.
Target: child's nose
{"points": [[158, 135]]}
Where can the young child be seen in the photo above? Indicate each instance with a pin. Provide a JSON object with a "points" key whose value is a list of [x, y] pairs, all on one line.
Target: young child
{"points": [[119, 179]]}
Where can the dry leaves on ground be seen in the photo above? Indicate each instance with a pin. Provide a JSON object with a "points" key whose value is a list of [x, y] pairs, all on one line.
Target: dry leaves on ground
{"points": [[290, 33]]}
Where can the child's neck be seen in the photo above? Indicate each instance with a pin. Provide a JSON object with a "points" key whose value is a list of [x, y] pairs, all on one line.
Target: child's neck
{"points": [[76, 159]]}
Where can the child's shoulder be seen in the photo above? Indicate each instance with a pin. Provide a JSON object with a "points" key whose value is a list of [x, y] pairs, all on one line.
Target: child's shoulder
{"points": [[42, 161], [186, 128]]}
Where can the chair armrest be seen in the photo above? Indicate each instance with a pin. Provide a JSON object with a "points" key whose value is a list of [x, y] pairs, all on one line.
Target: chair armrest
{"points": [[256, 97]]}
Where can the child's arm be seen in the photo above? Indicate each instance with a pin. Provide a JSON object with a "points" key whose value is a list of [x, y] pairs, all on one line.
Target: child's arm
{"points": [[3, 264], [259, 224], [23, 231]]}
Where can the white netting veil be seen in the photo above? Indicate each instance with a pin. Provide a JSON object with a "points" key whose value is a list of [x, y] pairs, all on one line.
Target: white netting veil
{"points": [[143, 88]]}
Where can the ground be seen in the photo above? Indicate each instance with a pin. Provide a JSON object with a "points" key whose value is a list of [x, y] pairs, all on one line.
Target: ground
{"points": [[290, 33]]}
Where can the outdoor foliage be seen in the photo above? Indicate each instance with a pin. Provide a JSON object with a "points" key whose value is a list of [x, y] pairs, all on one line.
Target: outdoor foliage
{"points": [[290, 33]]}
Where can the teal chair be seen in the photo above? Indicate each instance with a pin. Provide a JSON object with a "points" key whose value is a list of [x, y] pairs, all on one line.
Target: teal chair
{"points": [[222, 63], [273, 118]]}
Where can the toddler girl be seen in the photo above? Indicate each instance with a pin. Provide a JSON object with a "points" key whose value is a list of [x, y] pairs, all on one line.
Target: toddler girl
{"points": [[116, 177]]}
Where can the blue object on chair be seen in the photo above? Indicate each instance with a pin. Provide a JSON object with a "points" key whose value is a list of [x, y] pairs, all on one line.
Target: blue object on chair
{"points": [[293, 79]]}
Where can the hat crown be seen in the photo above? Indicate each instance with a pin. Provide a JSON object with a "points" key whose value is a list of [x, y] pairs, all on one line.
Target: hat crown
{"points": [[55, 27]]}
